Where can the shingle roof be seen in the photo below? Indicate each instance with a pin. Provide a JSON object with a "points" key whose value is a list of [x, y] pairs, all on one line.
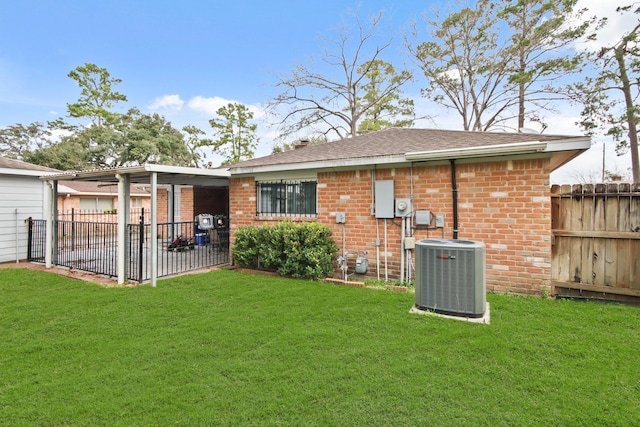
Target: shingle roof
{"points": [[393, 142], [6, 163]]}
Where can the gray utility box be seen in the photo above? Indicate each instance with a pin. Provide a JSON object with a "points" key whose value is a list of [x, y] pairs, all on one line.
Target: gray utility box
{"points": [[204, 222], [450, 277]]}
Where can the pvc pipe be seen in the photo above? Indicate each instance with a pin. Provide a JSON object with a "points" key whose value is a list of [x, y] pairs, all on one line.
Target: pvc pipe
{"points": [[402, 250], [17, 239], [378, 248], [386, 273]]}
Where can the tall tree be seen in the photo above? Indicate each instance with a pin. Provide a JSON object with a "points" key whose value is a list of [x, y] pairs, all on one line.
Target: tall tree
{"points": [[143, 138], [17, 141], [390, 110], [498, 62], [543, 33], [97, 96], [609, 98], [123, 140], [333, 103], [465, 66], [194, 140], [236, 136]]}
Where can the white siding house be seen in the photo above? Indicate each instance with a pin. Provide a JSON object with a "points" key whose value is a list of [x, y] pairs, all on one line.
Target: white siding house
{"points": [[22, 195]]}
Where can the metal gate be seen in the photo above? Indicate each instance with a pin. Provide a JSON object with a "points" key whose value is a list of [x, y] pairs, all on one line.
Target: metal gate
{"points": [[37, 236]]}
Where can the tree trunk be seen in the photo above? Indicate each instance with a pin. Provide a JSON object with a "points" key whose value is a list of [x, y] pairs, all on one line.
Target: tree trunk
{"points": [[631, 113]]}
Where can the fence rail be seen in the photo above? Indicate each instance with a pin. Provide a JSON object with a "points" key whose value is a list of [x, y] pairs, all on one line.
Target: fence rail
{"points": [[596, 238], [108, 215]]}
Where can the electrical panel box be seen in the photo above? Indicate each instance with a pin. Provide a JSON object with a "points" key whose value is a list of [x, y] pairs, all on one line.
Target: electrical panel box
{"points": [[384, 192], [403, 207], [440, 221], [423, 217], [409, 242], [341, 218]]}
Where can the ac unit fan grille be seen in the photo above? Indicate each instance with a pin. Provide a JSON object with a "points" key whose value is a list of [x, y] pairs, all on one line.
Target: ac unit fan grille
{"points": [[450, 280]]}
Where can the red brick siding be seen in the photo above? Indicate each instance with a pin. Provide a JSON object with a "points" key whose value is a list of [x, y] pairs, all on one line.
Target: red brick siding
{"points": [[186, 204], [162, 206], [504, 204]]}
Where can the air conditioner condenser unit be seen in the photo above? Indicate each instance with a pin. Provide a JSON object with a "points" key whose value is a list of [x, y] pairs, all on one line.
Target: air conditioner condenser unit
{"points": [[450, 277]]}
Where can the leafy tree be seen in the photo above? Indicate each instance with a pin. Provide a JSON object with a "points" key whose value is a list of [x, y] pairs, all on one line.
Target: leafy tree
{"points": [[122, 140], [390, 110], [66, 154], [493, 61], [464, 66], [236, 137], [542, 34], [17, 141], [319, 102], [194, 141], [147, 138], [97, 94], [609, 97]]}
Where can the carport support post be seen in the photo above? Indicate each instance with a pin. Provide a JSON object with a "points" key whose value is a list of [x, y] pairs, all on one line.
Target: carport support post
{"points": [[124, 193], [51, 201], [154, 228]]}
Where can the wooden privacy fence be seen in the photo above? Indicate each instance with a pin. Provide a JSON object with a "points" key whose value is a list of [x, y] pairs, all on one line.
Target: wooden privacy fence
{"points": [[596, 240]]}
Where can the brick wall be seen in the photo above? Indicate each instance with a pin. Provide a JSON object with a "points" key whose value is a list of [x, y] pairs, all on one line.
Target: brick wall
{"points": [[505, 204], [162, 205], [186, 204]]}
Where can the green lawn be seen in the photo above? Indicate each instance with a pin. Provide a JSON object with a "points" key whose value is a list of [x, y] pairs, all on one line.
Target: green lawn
{"points": [[227, 348]]}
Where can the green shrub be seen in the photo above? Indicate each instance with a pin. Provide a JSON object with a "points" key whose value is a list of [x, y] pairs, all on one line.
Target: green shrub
{"points": [[300, 250]]}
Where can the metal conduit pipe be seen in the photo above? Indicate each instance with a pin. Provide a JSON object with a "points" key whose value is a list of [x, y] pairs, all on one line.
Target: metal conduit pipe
{"points": [[454, 193]]}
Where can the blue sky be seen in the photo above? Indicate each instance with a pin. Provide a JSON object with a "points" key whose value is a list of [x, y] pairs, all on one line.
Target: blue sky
{"points": [[184, 59]]}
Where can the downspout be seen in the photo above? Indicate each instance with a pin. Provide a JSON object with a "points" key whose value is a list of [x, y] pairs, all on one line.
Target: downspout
{"points": [[454, 193]]}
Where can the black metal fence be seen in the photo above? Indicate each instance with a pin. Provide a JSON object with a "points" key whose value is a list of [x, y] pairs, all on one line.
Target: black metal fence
{"points": [[93, 215], [88, 246], [181, 248], [92, 247], [37, 236]]}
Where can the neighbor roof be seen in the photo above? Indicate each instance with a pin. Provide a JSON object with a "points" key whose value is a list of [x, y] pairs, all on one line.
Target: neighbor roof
{"points": [[18, 167], [396, 145]]}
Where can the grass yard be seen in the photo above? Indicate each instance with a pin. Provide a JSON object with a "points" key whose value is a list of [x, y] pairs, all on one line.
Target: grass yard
{"points": [[227, 348]]}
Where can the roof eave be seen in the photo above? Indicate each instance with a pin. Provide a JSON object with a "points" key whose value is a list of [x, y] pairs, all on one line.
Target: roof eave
{"points": [[321, 164], [514, 149], [25, 172]]}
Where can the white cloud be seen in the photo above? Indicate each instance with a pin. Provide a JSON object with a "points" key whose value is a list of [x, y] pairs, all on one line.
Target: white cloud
{"points": [[208, 106], [617, 24], [171, 102]]}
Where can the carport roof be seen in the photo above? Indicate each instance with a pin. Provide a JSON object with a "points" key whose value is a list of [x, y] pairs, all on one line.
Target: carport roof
{"points": [[177, 175]]}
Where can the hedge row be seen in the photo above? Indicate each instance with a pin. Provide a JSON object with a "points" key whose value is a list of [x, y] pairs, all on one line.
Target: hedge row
{"points": [[299, 250]]}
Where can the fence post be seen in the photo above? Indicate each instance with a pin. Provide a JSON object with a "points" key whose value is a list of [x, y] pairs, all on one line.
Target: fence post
{"points": [[29, 238], [141, 247], [73, 230]]}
